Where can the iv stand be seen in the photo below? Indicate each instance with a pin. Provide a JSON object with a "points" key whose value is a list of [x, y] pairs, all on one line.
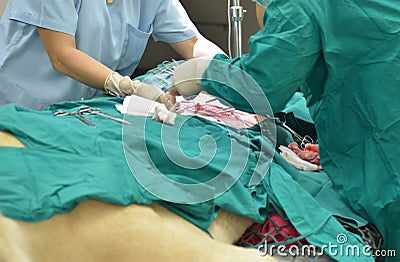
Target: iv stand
{"points": [[237, 18]]}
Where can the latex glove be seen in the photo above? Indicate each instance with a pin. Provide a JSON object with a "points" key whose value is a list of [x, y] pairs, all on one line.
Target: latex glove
{"points": [[118, 85], [123, 86], [187, 77], [152, 93], [205, 48]]}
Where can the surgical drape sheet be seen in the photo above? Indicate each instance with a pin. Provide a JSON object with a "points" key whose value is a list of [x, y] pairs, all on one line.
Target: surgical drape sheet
{"points": [[66, 162]]}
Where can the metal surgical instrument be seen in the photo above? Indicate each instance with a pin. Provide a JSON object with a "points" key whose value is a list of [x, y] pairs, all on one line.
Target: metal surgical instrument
{"points": [[97, 111], [75, 114], [303, 139]]}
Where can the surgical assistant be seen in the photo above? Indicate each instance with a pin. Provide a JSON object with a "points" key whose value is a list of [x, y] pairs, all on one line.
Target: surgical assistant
{"points": [[345, 57], [52, 51]]}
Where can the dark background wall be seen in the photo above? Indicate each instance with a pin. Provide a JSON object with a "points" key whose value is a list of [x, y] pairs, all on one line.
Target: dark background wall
{"points": [[211, 18]]}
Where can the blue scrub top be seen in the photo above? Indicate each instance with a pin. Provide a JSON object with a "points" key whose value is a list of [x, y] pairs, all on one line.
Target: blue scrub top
{"points": [[114, 33]]}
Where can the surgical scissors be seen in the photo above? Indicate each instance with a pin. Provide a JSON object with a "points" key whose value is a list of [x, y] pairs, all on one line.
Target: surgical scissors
{"points": [[97, 111], [303, 139], [76, 114]]}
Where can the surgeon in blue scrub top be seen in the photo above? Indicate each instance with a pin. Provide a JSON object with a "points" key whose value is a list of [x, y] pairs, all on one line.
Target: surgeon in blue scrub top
{"points": [[345, 57], [52, 51]]}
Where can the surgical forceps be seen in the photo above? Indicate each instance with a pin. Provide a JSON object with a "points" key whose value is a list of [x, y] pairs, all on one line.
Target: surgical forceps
{"points": [[166, 67], [97, 111], [303, 140], [76, 114]]}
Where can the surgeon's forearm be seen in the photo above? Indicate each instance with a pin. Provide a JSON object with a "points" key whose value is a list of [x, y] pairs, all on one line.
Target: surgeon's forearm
{"points": [[197, 46], [83, 68], [68, 60], [260, 10], [204, 47]]}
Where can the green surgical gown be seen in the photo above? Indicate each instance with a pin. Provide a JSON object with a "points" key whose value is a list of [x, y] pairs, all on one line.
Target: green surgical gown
{"points": [[345, 57]]}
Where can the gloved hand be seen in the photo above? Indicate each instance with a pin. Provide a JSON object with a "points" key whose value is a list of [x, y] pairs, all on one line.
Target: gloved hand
{"points": [[118, 85], [187, 77], [122, 86], [152, 93]]}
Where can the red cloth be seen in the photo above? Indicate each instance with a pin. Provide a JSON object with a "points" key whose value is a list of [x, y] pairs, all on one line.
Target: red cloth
{"points": [[310, 152], [274, 230]]}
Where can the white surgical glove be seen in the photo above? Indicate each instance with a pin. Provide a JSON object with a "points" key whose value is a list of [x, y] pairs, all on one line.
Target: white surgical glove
{"points": [[118, 85], [148, 91], [187, 77], [152, 93], [122, 86]]}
